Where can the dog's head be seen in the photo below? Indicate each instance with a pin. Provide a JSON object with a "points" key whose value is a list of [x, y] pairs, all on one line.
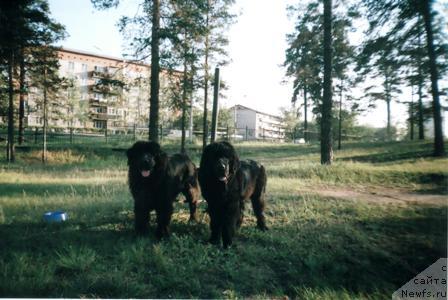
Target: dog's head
{"points": [[222, 161], [221, 169], [145, 158]]}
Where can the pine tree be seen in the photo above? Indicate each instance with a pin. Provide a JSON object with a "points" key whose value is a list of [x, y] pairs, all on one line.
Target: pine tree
{"points": [[304, 56], [45, 78], [25, 24], [185, 31], [395, 21], [326, 143], [379, 59], [217, 20], [146, 36]]}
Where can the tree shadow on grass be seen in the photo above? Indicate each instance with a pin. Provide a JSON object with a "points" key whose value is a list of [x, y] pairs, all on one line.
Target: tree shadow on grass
{"points": [[389, 157], [357, 256], [45, 189]]}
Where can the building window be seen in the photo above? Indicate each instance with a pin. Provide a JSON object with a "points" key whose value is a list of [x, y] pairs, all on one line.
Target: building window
{"points": [[98, 124], [100, 69], [71, 67], [98, 96], [99, 110]]}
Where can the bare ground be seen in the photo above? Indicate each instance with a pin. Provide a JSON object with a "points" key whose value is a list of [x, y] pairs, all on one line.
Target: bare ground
{"points": [[380, 195]]}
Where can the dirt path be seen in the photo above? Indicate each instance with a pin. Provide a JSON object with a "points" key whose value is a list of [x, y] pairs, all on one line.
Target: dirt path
{"points": [[380, 195]]}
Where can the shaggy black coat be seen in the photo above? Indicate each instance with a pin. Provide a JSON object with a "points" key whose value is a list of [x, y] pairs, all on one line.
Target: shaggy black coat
{"points": [[225, 184], [182, 177], [155, 180], [147, 166]]}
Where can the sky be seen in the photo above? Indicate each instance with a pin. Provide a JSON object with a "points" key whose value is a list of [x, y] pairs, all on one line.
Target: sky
{"points": [[257, 49]]}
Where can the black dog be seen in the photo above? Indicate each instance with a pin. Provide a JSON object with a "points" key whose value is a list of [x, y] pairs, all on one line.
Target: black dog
{"points": [[155, 180], [182, 177], [253, 180], [147, 165], [226, 184]]}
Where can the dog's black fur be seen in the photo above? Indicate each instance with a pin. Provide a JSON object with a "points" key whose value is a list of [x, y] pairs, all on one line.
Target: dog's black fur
{"points": [[147, 165], [253, 180], [225, 184], [182, 177], [155, 180]]}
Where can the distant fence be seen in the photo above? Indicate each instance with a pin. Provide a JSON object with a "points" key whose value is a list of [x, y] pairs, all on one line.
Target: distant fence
{"points": [[130, 134]]}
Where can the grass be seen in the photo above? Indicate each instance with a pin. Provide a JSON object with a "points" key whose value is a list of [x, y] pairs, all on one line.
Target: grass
{"points": [[317, 247]]}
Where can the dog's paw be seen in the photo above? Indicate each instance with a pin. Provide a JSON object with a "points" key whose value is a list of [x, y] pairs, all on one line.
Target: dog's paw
{"points": [[262, 227]]}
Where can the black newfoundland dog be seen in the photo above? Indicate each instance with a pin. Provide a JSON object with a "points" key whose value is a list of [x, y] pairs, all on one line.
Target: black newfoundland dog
{"points": [[182, 177], [155, 180], [225, 184]]}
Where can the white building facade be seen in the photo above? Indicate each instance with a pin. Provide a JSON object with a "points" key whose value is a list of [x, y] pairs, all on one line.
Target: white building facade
{"points": [[251, 124]]}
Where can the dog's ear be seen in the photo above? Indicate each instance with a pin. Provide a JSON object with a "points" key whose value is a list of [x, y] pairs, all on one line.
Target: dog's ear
{"points": [[161, 160], [234, 164], [130, 153]]}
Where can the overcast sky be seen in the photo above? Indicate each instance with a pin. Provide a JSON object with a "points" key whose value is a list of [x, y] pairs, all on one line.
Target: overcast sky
{"points": [[257, 47]]}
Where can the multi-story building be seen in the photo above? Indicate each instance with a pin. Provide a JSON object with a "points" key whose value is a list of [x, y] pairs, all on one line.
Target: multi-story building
{"points": [[108, 92], [252, 124]]}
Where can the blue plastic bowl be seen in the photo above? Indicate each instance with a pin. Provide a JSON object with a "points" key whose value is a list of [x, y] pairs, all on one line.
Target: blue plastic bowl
{"points": [[55, 216]]}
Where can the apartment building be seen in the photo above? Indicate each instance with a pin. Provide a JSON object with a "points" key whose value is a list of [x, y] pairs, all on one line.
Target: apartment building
{"points": [[107, 92], [253, 125]]}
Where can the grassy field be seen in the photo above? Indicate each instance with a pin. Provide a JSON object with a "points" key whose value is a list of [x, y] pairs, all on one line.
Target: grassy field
{"points": [[360, 228]]}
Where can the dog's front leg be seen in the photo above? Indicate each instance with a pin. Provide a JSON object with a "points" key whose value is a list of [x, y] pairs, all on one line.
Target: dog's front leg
{"points": [[164, 212]]}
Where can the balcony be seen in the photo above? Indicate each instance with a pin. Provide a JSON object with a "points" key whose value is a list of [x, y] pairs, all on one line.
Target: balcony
{"points": [[103, 116], [103, 72], [105, 89], [97, 102]]}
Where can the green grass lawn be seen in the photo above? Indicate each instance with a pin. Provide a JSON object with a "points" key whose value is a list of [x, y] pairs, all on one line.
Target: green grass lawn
{"points": [[318, 246]]}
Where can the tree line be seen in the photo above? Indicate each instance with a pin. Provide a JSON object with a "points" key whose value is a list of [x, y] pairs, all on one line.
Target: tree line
{"points": [[26, 34], [403, 45], [185, 35]]}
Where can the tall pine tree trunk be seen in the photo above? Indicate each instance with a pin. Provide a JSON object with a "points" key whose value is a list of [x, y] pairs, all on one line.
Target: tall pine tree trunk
{"points": [[411, 114], [305, 123], [155, 68], [421, 129], [10, 150], [326, 144], [45, 117], [340, 118], [190, 94], [388, 131], [184, 103], [206, 74], [439, 148], [388, 99], [22, 98], [191, 118]]}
